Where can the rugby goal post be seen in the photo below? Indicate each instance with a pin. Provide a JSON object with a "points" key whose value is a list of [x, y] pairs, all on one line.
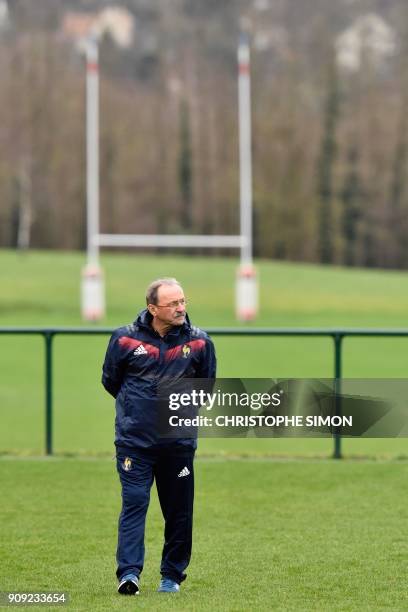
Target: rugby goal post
{"points": [[92, 285]]}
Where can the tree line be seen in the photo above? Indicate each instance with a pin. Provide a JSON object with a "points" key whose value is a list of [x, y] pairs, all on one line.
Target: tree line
{"points": [[329, 148]]}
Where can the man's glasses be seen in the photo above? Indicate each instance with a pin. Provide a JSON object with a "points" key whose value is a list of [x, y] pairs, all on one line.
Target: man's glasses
{"points": [[172, 304]]}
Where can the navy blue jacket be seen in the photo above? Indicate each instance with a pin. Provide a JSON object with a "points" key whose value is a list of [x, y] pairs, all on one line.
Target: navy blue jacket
{"points": [[138, 363]]}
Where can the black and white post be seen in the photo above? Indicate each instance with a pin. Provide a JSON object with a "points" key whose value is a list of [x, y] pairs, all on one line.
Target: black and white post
{"points": [[92, 288], [246, 284]]}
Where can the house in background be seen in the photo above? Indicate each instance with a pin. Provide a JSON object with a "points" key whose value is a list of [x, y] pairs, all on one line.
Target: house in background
{"points": [[117, 22], [369, 36]]}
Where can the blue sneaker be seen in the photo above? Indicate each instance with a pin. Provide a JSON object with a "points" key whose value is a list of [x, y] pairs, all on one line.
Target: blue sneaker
{"points": [[167, 585], [129, 585]]}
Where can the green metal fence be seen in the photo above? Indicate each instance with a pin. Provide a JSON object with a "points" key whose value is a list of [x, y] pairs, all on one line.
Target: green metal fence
{"points": [[336, 334]]}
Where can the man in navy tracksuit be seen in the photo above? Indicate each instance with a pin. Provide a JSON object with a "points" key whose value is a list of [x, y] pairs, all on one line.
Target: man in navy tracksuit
{"points": [[160, 345]]}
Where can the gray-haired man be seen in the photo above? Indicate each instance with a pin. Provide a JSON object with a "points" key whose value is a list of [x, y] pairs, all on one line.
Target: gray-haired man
{"points": [[161, 345]]}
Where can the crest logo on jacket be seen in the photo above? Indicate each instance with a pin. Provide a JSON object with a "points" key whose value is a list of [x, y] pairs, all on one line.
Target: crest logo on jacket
{"points": [[186, 351], [127, 464]]}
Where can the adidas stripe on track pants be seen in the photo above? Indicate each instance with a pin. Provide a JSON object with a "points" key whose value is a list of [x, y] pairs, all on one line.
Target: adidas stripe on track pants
{"points": [[172, 469]]}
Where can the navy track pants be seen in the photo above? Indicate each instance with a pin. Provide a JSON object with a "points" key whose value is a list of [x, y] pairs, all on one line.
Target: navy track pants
{"points": [[172, 469]]}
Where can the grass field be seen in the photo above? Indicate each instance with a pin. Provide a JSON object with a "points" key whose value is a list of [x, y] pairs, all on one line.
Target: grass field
{"points": [[268, 535], [43, 289], [278, 526]]}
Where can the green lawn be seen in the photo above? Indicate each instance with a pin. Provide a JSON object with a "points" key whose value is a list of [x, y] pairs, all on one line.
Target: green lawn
{"points": [[269, 535], [299, 532], [42, 288]]}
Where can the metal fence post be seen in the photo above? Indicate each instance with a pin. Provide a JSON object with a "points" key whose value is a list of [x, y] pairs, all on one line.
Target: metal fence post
{"points": [[48, 337], [337, 390]]}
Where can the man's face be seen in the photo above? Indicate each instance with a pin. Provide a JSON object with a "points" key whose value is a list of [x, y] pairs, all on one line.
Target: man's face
{"points": [[169, 310]]}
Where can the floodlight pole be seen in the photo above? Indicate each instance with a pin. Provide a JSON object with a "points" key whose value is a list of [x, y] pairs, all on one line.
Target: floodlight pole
{"points": [[92, 294], [246, 287]]}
